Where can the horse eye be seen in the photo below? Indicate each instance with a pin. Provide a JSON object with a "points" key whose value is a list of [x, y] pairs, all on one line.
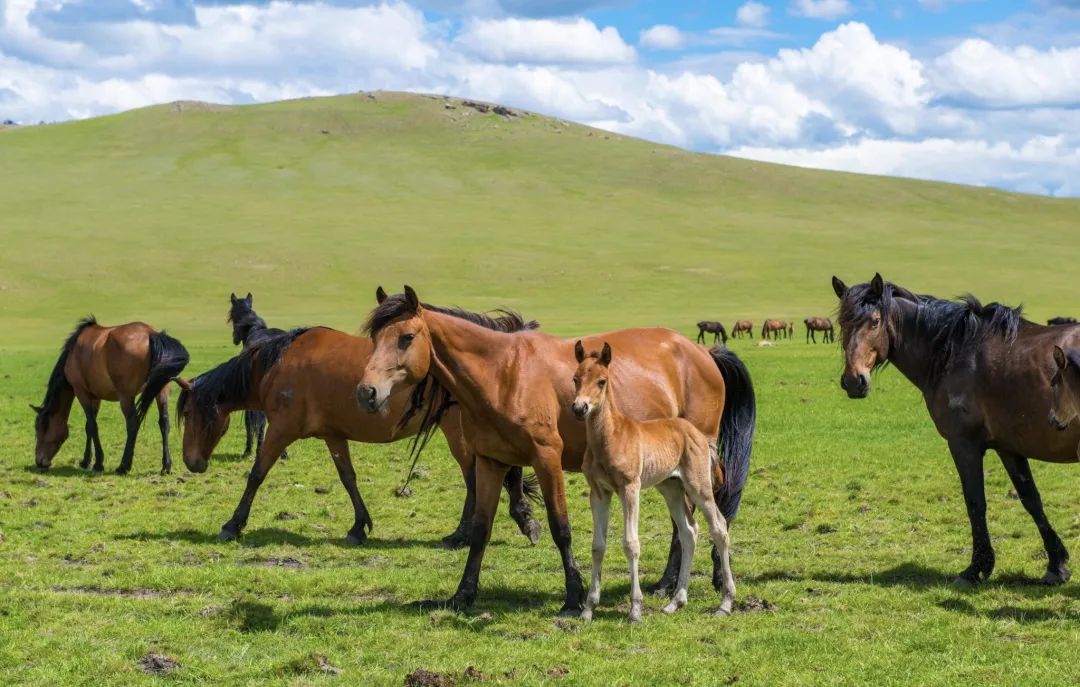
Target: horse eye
{"points": [[601, 383], [405, 339]]}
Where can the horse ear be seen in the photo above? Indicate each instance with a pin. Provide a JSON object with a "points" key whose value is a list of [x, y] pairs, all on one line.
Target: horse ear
{"points": [[411, 299], [1060, 358], [380, 295], [249, 298], [36, 409], [605, 354], [839, 287], [579, 351], [184, 384], [877, 285], [232, 297]]}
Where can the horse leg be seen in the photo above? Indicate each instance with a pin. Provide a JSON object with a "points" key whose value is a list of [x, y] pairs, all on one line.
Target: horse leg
{"points": [[131, 421], [672, 490], [701, 336], [90, 408], [163, 425], [666, 584], [600, 503], [489, 479], [520, 509], [264, 460], [250, 430], [968, 458], [339, 451], [460, 536], [632, 546], [1019, 471]]}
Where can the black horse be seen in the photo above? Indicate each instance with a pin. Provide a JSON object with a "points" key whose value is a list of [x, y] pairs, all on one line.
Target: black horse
{"points": [[714, 328], [985, 374], [1061, 320], [250, 329]]}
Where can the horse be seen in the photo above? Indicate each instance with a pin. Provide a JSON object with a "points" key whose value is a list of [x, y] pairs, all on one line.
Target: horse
{"points": [[791, 330], [623, 456], [515, 391], [298, 379], [984, 374], [1060, 321], [249, 329], [775, 328], [714, 328], [819, 324], [1065, 385], [742, 327], [131, 363]]}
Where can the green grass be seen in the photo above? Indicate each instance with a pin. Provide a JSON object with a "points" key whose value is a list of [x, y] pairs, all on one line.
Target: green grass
{"points": [[852, 525]]}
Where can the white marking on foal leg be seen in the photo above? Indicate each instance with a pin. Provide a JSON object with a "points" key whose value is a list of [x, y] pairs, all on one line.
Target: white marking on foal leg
{"points": [[672, 490], [601, 512], [632, 546]]}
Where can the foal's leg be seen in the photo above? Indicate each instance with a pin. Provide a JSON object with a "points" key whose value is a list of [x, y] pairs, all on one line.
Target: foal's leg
{"points": [[968, 457], [339, 451], [672, 490], [275, 443], [131, 421], [1020, 473], [632, 546], [600, 502], [163, 425]]}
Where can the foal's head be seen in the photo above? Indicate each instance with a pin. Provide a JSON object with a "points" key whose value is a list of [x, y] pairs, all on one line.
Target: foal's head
{"points": [[590, 379], [1065, 385], [864, 330], [402, 353], [203, 424]]}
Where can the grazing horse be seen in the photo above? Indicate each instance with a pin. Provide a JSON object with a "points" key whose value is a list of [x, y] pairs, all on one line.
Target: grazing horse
{"points": [[108, 364], [248, 330], [819, 324], [1065, 406], [984, 373], [299, 380], [774, 328], [1061, 320], [623, 456], [714, 328], [742, 327], [515, 391]]}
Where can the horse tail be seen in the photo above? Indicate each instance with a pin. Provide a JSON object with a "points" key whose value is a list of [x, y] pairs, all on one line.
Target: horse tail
{"points": [[167, 359], [736, 429], [530, 485]]}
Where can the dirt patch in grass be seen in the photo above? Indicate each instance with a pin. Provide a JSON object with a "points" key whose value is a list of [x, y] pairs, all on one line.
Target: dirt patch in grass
{"points": [[157, 664], [426, 678], [278, 562], [138, 593], [755, 604]]}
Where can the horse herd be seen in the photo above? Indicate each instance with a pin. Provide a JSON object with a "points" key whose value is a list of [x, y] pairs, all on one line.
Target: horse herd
{"points": [[631, 409], [770, 329]]}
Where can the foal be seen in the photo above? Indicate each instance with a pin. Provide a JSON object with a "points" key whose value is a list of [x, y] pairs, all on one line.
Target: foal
{"points": [[624, 455]]}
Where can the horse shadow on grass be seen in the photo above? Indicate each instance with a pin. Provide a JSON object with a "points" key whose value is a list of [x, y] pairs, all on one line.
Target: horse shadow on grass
{"points": [[275, 536]]}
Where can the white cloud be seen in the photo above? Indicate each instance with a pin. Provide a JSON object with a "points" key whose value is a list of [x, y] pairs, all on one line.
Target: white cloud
{"points": [[544, 41], [752, 14], [821, 9], [661, 37], [977, 71]]}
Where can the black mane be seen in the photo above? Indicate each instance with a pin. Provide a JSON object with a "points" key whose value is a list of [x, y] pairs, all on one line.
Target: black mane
{"points": [[57, 380], [956, 328], [393, 307]]}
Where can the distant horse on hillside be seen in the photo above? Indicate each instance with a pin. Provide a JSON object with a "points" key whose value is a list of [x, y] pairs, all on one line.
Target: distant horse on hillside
{"points": [[984, 374], [250, 329], [791, 330], [819, 324], [714, 328], [98, 364], [742, 327], [1061, 320], [774, 329]]}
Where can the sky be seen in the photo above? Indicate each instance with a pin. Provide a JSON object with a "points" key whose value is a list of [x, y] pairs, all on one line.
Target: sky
{"points": [[983, 92]]}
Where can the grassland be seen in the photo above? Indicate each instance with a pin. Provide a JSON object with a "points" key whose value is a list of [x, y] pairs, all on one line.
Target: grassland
{"points": [[852, 525]]}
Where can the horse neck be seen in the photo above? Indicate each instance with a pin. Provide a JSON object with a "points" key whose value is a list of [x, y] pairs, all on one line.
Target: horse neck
{"points": [[61, 406], [249, 328], [462, 357], [910, 348], [604, 425]]}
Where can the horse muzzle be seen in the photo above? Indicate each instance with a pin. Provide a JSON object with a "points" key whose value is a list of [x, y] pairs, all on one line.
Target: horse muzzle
{"points": [[856, 386], [1056, 422], [580, 410], [367, 397]]}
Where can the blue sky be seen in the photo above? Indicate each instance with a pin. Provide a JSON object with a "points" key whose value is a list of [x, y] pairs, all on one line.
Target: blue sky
{"points": [[975, 91]]}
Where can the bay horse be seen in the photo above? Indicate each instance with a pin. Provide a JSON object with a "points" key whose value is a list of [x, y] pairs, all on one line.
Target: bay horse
{"points": [[714, 328], [248, 330], [299, 379], [742, 327], [624, 456], [819, 324], [1065, 384], [984, 373], [1061, 320], [131, 363], [515, 391], [774, 328]]}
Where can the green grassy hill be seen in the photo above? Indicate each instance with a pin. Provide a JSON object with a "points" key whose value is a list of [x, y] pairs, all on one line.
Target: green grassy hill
{"points": [[158, 213]]}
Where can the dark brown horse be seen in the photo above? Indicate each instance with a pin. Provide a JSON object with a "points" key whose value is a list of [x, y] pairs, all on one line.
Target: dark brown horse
{"points": [[774, 329], [742, 327], [984, 373], [515, 391], [108, 364], [712, 327], [819, 324], [1065, 406], [299, 380], [248, 330]]}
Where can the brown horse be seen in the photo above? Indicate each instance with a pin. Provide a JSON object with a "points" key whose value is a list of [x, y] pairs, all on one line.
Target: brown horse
{"points": [[108, 364], [299, 380], [1065, 406], [516, 389], [742, 327], [819, 324], [984, 373], [623, 456], [712, 327], [774, 329]]}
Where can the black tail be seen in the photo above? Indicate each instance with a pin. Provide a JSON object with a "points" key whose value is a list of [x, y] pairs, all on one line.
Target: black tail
{"points": [[530, 485], [167, 359], [736, 429]]}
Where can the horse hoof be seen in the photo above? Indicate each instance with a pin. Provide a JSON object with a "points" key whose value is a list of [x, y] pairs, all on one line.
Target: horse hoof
{"points": [[1056, 577], [570, 612], [122, 470], [586, 615], [533, 530], [85, 464], [227, 535], [721, 612], [99, 468], [635, 617], [355, 540], [662, 588], [671, 608], [962, 582]]}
